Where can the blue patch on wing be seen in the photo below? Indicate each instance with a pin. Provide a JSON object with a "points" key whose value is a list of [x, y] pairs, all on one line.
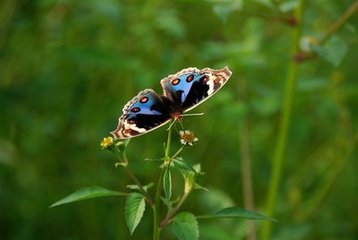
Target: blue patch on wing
{"points": [[185, 84], [143, 113], [144, 105], [147, 110]]}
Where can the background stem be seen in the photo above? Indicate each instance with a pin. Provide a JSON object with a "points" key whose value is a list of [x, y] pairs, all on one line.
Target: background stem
{"points": [[245, 157], [281, 143], [340, 22]]}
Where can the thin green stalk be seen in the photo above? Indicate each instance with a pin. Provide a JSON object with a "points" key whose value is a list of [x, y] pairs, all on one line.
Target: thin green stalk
{"points": [[156, 208], [175, 155], [141, 189], [281, 144], [167, 146], [245, 160], [170, 214], [340, 22], [131, 174]]}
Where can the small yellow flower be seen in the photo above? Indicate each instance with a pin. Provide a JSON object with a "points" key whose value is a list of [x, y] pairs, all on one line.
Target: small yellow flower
{"points": [[187, 137], [107, 142]]}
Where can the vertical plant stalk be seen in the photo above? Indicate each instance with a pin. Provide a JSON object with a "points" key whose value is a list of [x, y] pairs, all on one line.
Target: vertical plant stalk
{"points": [[156, 208], [281, 143], [245, 156]]}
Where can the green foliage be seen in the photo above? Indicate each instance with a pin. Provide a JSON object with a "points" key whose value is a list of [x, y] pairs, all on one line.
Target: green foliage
{"points": [[333, 51], [186, 226], [167, 184], [87, 193], [135, 206], [182, 165], [235, 212], [68, 67]]}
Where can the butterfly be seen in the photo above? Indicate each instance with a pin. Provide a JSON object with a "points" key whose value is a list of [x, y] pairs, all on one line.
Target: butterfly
{"points": [[183, 91]]}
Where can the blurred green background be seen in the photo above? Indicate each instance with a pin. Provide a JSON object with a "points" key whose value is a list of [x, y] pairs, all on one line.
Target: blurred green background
{"points": [[68, 67]]}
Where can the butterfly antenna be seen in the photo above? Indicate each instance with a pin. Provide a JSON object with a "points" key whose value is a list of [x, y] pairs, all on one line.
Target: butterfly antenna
{"points": [[188, 115], [192, 114]]}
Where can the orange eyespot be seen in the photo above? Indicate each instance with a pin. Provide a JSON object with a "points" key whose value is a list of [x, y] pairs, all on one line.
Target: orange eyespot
{"points": [[144, 100], [135, 109], [190, 78], [176, 81]]}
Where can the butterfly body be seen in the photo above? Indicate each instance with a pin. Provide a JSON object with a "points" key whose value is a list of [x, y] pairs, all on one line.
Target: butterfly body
{"points": [[182, 92]]}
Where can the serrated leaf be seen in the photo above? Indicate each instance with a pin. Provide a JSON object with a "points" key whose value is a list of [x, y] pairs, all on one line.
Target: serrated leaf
{"points": [[333, 51], [186, 226], [135, 206], [167, 184], [235, 212], [87, 193]]}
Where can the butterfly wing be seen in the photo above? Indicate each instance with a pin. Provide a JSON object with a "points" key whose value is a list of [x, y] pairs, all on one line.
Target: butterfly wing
{"points": [[145, 112], [191, 86]]}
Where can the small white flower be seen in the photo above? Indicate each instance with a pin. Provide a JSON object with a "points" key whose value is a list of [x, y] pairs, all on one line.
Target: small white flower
{"points": [[187, 137]]}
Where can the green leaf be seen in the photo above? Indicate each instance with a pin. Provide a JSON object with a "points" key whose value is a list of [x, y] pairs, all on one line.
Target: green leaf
{"points": [[333, 51], [224, 8], [197, 168], [235, 212], [180, 164], [288, 6], [167, 184], [199, 187], [136, 187], [87, 193], [135, 206], [186, 226]]}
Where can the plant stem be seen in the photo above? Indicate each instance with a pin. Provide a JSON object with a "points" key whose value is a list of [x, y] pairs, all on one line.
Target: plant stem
{"points": [[245, 157], [175, 155], [156, 208], [141, 189], [167, 146], [303, 56], [170, 214], [131, 174], [281, 143], [340, 22]]}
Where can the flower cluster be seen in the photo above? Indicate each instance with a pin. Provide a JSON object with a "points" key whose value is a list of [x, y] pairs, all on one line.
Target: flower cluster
{"points": [[187, 137], [107, 142]]}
